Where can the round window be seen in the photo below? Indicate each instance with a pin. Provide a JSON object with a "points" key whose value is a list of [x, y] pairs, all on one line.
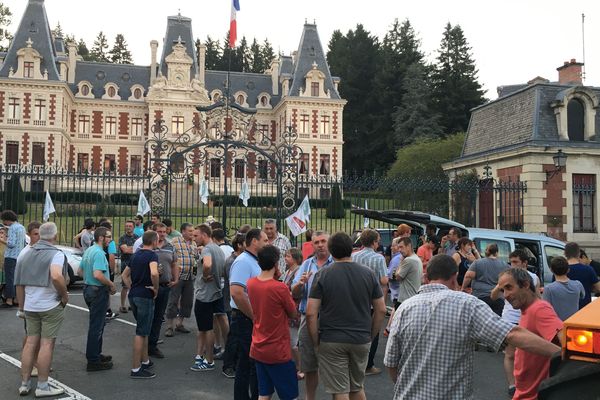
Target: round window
{"points": [[85, 90]]}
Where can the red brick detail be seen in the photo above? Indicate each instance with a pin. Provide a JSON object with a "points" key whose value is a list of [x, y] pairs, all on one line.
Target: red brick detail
{"points": [[146, 121], [315, 157], [97, 122], [228, 166], [335, 124], [273, 130], [252, 165], [196, 161], [122, 160], [146, 157], [52, 108], [124, 124], [1, 104], [196, 119], [315, 122], [334, 161], [25, 149], [1, 147], [50, 157], [554, 203], [158, 114], [96, 158], [294, 119], [510, 173], [27, 108], [71, 157], [73, 121]]}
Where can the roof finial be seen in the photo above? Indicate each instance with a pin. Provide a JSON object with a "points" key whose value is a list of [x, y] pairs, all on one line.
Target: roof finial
{"points": [[29, 42], [179, 40], [179, 15], [314, 21], [305, 21]]}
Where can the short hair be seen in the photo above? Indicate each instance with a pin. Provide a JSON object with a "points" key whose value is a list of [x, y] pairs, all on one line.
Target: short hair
{"points": [[340, 245], [319, 233], [139, 217], [155, 215], [149, 237], [559, 265], [168, 223], [296, 255], [245, 228], [520, 276], [582, 253], [433, 239], [268, 257], [572, 250], [457, 231], [270, 221], [396, 241], [185, 225], [48, 231], [216, 225], [463, 242], [218, 234], [89, 223], [100, 232], [491, 249], [520, 254], [158, 225], [252, 234], [238, 241], [204, 228], [406, 240], [308, 235], [368, 237], [147, 225], [33, 225], [431, 227], [441, 267], [129, 221], [403, 229], [106, 225], [8, 215]]}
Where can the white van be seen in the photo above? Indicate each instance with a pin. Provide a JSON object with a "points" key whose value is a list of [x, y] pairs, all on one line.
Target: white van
{"points": [[540, 248]]}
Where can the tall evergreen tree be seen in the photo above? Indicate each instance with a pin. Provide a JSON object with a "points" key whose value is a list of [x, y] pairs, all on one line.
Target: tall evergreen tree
{"points": [[5, 20], [243, 55], [456, 88], [82, 50], [213, 53], [413, 118], [120, 53], [58, 32], [267, 54], [230, 57], [257, 61], [98, 51]]}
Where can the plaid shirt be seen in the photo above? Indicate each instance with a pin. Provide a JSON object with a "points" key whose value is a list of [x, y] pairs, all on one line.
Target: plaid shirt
{"points": [[283, 244], [432, 340], [187, 256], [372, 260]]}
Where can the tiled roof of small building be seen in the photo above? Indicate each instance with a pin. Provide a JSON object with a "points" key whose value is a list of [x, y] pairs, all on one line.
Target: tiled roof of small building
{"points": [[99, 74]]}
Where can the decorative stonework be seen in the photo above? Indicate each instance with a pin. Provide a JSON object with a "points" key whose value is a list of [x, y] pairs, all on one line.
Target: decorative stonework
{"points": [[591, 104]]}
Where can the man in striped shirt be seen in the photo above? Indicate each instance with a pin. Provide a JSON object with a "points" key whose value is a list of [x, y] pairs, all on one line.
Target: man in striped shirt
{"points": [[15, 242]]}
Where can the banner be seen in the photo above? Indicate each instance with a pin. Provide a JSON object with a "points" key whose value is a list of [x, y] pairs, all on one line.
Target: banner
{"points": [[48, 207], [245, 193], [143, 205], [204, 192], [296, 223]]}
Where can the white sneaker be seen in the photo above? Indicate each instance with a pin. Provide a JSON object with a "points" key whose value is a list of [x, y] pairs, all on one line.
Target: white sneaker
{"points": [[51, 391], [24, 390]]}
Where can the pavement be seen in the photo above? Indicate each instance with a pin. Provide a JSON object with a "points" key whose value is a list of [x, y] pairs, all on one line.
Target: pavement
{"points": [[174, 379]]}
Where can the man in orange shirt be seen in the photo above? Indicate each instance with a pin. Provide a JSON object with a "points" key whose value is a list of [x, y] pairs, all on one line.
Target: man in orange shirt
{"points": [[538, 317], [425, 252]]}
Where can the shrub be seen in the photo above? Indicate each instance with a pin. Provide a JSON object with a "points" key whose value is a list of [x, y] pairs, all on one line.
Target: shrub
{"points": [[335, 209], [13, 197]]}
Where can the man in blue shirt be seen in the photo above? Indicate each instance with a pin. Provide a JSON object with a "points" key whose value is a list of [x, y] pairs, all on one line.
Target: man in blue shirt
{"points": [[243, 268], [582, 273], [139, 228], [98, 287], [14, 244]]}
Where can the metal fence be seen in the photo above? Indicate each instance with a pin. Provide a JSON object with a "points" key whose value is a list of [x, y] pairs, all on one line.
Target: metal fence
{"points": [[78, 195]]}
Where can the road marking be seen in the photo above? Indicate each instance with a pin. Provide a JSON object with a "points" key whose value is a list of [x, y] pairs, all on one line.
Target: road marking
{"points": [[70, 392], [86, 310]]}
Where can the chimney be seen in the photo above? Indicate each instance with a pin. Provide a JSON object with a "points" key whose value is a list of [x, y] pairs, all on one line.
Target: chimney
{"points": [[570, 73], [201, 62], [153, 50], [275, 76], [72, 46]]}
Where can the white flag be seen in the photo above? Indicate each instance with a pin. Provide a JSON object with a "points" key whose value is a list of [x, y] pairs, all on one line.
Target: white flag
{"points": [[245, 193], [48, 207], [204, 191], [143, 205], [366, 220], [305, 207], [296, 222]]}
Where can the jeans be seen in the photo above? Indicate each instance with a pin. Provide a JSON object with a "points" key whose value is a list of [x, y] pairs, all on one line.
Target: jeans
{"points": [[160, 305], [246, 384], [231, 349], [97, 299], [373, 350], [9, 276]]}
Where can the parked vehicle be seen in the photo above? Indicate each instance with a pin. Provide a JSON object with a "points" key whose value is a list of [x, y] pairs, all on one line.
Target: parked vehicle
{"points": [[73, 258], [540, 248]]}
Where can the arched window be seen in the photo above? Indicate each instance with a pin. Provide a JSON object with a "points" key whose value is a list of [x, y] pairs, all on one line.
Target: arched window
{"points": [[137, 93], [85, 90], [241, 99], [112, 91], [575, 118], [264, 101], [216, 97]]}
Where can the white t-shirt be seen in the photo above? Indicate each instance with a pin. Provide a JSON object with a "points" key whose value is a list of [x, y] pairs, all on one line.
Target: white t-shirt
{"points": [[509, 313], [138, 244], [226, 249], [40, 299]]}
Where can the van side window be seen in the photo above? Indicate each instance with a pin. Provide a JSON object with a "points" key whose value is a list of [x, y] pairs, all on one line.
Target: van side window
{"points": [[551, 252], [503, 247]]}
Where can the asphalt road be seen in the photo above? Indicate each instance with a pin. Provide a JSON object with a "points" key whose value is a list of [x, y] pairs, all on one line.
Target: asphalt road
{"points": [[174, 378]]}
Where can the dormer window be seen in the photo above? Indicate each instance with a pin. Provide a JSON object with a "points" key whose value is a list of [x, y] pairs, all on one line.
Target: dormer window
{"points": [[85, 90], [112, 91], [575, 117], [28, 69], [575, 112], [215, 95], [137, 93], [264, 100], [241, 99], [314, 89], [314, 85]]}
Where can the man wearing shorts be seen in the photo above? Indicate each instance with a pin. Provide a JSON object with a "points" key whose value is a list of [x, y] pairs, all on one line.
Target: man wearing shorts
{"points": [[126, 249], [40, 278], [141, 276], [340, 330], [272, 305], [208, 297]]}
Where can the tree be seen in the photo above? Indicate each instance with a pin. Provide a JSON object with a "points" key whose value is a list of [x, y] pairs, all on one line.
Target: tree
{"points": [[414, 118], [257, 60], [120, 54], [82, 50], [58, 32], [267, 54], [98, 52], [243, 55], [213, 54], [335, 208], [455, 85], [13, 197], [230, 58], [5, 20]]}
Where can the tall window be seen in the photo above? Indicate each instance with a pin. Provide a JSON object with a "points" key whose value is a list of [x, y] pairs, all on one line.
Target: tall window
{"points": [[13, 108], [584, 200], [240, 99], [84, 124], [303, 168], [110, 126], [85, 90], [136, 165], [137, 93], [112, 91], [28, 69], [37, 153], [325, 128], [263, 169], [239, 169], [136, 127], [110, 164], [314, 89], [324, 168], [575, 120], [83, 161], [12, 152], [304, 123], [177, 124], [215, 168], [40, 109]]}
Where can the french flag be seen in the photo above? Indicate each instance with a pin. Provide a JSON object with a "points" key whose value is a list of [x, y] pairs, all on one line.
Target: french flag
{"points": [[235, 7]]}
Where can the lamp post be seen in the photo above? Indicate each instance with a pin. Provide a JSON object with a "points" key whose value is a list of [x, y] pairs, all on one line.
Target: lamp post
{"points": [[560, 162]]}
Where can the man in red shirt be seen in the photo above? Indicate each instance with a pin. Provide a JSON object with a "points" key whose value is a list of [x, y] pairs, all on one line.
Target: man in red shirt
{"points": [[538, 317], [272, 305]]}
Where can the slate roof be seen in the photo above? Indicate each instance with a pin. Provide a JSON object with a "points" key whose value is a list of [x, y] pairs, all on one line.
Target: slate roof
{"points": [[99, 74], [34, 25], [252, 84], [310, 51], [179, 27], [524, 116]]}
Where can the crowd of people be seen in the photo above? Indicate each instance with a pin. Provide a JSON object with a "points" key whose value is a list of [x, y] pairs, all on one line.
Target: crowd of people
{"points": [[277, 315]]}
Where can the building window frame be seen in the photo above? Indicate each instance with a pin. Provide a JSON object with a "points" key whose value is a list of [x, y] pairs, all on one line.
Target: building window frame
{"points": [[38, 153], [39, 107], [14, 108], [12, 152], [110, 125], [584, 203], [324, 164], [177, 124], [28, 68]]}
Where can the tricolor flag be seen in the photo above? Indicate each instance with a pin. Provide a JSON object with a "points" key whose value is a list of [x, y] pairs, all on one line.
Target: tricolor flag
{"points": [[235, 7], [48, 207]]}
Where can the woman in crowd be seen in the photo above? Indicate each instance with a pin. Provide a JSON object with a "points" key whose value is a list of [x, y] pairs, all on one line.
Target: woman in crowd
{"points": [[464, 256], [293, 260]]}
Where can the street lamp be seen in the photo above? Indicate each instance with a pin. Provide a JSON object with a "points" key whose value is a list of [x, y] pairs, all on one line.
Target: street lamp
{"points": [[560, 162]]}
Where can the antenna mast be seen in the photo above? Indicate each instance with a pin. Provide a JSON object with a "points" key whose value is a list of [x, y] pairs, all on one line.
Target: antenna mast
{"points": [[583, 45]]}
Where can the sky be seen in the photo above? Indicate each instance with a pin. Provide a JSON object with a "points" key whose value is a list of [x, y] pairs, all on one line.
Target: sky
{"points": [[512, 41]]}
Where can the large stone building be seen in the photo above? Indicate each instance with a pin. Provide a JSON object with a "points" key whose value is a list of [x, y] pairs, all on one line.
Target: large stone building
{"points": [[524, 135], [56, 109]]}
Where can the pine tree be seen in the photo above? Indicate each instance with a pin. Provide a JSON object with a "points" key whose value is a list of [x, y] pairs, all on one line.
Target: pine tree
{"points": [[257, 61], [120, 54], [231, 57], [413, 118], [82, 50], [58, 32], [5, 20], [213, 54], [13, 197], [98, 51], [335, 208], [267, 54], [243, 55], [456, 88]]}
